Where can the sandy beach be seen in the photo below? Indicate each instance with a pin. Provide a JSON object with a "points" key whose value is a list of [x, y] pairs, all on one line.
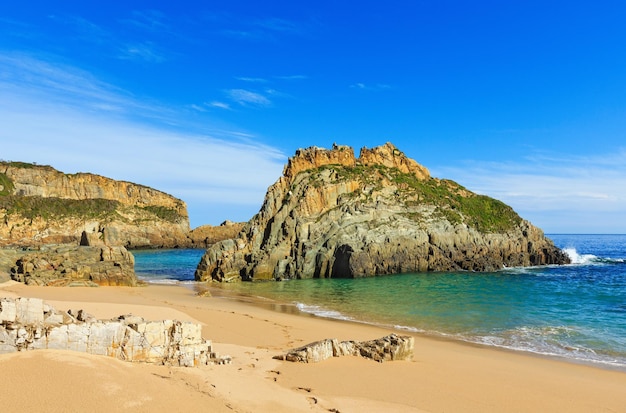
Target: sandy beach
{"points": [[444, 376]]}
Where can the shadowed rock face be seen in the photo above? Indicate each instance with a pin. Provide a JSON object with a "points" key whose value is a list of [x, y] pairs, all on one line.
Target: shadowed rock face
{"points": [[334, 215]]}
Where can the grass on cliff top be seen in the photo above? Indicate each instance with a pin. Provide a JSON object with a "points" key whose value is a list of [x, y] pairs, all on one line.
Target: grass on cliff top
{"points": [[31, 207], [453, 202], [25, 165]]}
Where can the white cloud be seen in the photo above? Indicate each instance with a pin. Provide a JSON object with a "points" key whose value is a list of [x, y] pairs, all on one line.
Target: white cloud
{"points": [[558, 193], [292, 77], [57, 83], [376, 87], [252, 79], [68, 119], [247, 98], [197, 107], [220, 105]]}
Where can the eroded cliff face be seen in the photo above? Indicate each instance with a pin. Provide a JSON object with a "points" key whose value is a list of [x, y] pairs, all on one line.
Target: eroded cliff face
{"points": [[334, 215], [40, 205]]}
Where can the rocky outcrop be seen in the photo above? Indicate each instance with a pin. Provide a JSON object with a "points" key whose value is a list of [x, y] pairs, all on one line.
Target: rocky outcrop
{"points": [[334, 215], [206, 235], [391, 347], [74, 265], [31, 324], [40, 205]]}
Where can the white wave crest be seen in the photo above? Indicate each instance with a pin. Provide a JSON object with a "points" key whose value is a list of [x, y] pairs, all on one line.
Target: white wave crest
{"points": [[577, 258], [165, 281], [321, 312], [548, 341]]}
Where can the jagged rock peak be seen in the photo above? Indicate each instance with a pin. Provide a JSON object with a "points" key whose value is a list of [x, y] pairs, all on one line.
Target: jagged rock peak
{"points": [[390, 156], [385, 155]]}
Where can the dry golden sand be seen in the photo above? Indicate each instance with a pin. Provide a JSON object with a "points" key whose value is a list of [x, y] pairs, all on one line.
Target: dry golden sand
{"points": [[444, 376]]}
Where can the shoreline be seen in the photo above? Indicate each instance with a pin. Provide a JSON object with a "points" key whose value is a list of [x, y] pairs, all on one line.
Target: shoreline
{"points": [[291, 308], [444, 375]]}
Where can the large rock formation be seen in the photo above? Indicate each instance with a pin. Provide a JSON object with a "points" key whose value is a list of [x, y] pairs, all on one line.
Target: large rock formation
{"points": [[74, 265], [334, 215], [40, 205], [31, 324]]}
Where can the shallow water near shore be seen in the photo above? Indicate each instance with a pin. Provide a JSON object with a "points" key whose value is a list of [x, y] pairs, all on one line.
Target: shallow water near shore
{"points": [[576, 311]]}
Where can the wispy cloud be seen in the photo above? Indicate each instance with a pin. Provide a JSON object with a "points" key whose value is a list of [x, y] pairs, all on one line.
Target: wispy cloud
{"points": [[141, 51], [252, 79], [220, 105], [147, 20], [58, 83], [84, 28], [376, 87], [17, 29], [198, 108], [278, 25], [558, 193], [248, 98], [255, 29], [116, 43], [292, 77], [68, 85], [62, 116]]}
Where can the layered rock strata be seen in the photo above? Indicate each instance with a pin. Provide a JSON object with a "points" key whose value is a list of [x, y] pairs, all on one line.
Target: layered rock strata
{"points": [[40, 205], [31, 324], [391, 347], [334, 215]]}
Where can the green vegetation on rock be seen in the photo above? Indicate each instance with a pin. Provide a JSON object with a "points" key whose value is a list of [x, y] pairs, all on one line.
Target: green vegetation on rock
{"points": [[459, 205], [164, 213], [26, 165], [31, 207], [451, 200], [6, 185]]}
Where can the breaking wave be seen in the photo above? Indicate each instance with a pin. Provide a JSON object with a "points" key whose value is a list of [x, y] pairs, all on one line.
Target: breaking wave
{"points": [[590, 259]]}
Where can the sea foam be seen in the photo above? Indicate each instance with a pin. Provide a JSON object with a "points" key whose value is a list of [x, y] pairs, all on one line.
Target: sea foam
{"points": [[321, 312], [577, 258]]}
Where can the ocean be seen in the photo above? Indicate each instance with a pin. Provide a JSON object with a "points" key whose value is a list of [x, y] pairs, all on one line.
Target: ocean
{"points": [[577, 311]]}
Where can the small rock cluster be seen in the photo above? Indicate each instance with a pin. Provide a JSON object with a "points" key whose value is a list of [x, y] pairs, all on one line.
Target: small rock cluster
{"points": [[391, 347], [30, 324]]}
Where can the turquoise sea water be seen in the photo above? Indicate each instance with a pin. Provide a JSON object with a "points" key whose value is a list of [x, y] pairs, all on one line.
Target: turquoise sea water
{"points": [[576, 311]]}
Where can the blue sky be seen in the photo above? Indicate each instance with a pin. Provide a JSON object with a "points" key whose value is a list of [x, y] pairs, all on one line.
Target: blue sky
{"points": [[522, 101]]}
